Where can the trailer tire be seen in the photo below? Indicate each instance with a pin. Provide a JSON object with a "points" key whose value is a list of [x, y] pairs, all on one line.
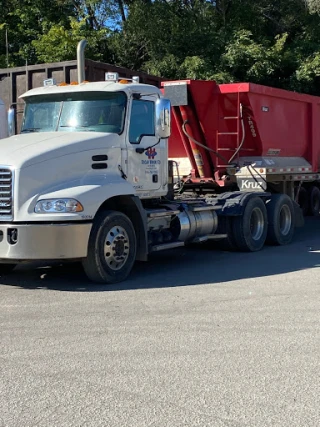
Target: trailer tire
{"points": [[6, 268], [111, 249], [250, 229], [303, 201], [280, 220], [314, 200]]}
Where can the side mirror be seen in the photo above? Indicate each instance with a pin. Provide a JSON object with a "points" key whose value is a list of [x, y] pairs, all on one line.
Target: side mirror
{"points": [[163, 118], [11, 121]]}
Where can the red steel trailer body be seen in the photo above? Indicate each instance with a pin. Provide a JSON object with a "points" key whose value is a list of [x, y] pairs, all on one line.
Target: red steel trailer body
{"points": [[241, 120]]}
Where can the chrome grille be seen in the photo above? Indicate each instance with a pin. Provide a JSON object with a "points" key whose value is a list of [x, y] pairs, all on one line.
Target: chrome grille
{"points": [[5, 193]]}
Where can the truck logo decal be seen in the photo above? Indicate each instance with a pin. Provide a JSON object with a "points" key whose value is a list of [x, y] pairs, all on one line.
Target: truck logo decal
{"points": [[252, 184], [246, 184], [151, 153]]}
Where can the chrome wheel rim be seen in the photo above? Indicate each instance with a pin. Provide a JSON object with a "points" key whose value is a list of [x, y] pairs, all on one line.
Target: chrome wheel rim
{"points": [[285, 220], [116, 248], [256, 224]]}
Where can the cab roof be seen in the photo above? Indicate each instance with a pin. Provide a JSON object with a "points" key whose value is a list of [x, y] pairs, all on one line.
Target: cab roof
{"points": [[104, 86]]}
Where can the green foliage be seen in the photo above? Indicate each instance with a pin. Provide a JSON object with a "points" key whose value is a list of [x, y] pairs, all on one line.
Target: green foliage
{"points": [[263, 62], [307, 76], [24, 21], [60, 43], [266, 42], [313, 5]]}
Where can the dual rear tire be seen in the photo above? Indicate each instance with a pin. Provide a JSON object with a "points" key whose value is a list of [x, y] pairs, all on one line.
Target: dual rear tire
{"points": [[250, 229], [280, 220], [271, 222]]}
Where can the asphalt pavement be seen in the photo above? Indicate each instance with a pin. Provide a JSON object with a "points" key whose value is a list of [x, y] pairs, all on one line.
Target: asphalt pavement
{"points": [[195, 337]]}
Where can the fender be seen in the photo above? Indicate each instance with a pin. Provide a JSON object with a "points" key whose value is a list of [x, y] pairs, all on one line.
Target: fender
{"points": [[133, 208], [234, 203], [90, 192]]}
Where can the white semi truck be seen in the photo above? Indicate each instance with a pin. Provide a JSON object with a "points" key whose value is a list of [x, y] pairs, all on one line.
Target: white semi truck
{"points": [[88, 179]]}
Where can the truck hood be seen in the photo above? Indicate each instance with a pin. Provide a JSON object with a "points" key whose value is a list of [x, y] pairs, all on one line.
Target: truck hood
{"points": [[29, 149]]}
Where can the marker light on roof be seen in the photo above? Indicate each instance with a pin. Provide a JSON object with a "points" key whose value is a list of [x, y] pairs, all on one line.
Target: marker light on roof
{"points": [[112, 77], [49, 82], [135, 79]]}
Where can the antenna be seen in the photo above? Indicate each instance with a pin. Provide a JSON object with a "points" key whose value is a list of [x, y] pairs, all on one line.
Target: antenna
{"points": [[7, 48], [27, 77], [8, 74]]}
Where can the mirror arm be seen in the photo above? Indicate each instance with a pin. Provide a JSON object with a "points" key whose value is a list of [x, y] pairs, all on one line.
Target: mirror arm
{"points": [[140, 150]]}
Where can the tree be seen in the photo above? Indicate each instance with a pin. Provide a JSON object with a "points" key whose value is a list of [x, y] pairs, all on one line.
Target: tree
{"points": [[24, 21], [268, 42]]}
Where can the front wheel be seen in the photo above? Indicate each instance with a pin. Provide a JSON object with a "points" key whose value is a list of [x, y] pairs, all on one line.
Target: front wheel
{"points": [[111, 249]]}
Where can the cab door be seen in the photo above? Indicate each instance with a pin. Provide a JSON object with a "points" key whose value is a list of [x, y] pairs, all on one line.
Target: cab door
{"points": [[146, 159]]}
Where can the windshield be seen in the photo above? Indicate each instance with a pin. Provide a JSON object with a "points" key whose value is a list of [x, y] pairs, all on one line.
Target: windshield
{"points": [[86, 111]]}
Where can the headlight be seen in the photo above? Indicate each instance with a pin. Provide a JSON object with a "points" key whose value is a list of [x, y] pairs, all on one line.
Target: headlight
{"points": [[58, 206]]}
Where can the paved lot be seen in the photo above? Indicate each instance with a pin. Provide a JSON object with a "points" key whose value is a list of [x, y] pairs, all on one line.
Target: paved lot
{"points": [[194, 338]]}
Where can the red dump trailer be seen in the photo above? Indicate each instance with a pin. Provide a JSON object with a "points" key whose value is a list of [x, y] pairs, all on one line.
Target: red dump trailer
{"points": [[246, 137]]}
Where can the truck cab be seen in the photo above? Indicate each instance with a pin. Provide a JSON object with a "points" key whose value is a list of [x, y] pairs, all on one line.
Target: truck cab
{"points": [[120, 118], [82, 148]]}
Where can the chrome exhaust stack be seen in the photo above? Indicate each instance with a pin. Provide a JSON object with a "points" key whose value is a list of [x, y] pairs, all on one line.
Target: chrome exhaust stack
{"points": [[80, 60]]}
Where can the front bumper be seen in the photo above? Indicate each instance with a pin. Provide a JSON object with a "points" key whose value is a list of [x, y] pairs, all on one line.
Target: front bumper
{"points": [[43, 241]]}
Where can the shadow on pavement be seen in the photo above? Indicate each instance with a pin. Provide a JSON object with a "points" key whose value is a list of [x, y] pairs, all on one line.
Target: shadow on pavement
{"points": [[183, 267]]}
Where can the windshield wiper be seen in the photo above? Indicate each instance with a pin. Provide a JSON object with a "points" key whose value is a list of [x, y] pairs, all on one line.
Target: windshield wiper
{"points": [[76, 127], [30, 130]]}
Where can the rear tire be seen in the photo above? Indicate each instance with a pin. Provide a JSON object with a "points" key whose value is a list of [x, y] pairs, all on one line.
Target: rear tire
{"points": [[112, 248], [314, 201], [250, 229], [280, 220], [6, 268], [303, 201], [225, 227]]}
